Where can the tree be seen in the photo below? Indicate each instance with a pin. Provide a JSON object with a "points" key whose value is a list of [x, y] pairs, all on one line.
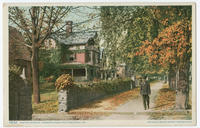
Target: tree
{"points": [[147, 43], [172, 49], [124, 29], [37, 24]]}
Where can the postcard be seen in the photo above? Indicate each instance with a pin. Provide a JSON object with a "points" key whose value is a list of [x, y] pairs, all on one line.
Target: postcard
{"points": [[99, 64]]}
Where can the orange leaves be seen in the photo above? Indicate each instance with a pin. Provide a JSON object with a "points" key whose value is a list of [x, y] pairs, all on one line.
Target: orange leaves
{"points": [[63, 81], [170, 44], [165, 99], [165, 21], [149, 49]]}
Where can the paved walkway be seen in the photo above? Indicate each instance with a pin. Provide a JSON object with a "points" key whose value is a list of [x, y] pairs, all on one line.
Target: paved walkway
{"points": [[133, 110]]}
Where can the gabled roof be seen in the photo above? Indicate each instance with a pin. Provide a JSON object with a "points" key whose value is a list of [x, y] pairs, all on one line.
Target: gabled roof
{"points": [[75, 38], [17, 48]]}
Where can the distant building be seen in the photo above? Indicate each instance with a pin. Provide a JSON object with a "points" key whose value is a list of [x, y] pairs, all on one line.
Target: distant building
{"points": [[82, 57], [49, 44]]}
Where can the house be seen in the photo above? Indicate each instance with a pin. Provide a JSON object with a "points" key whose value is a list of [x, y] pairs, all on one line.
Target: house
{"points": [[19, 53], [81, 54]]}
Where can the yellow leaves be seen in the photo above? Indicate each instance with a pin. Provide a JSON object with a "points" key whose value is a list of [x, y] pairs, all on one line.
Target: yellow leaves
{"points": [[49, 100], [154, 56], [165, 21], [130, 55], [173, 61], [64, 81], [165, 99], [47, 107]]}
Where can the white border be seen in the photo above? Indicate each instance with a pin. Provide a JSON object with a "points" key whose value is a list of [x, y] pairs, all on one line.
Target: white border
{"points": [[75, 1]]}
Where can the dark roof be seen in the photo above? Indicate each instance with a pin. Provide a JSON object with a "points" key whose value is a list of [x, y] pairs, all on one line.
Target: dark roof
{"points": [[75, 38], [17, 49]]}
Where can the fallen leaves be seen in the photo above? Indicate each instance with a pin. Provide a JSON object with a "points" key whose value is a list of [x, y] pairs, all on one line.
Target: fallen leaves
{"points": [[166, 99], [49, 103], [164, 106]]}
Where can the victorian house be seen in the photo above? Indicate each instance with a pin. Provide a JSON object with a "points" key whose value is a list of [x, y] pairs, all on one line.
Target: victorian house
{"points": [[81, 54]]}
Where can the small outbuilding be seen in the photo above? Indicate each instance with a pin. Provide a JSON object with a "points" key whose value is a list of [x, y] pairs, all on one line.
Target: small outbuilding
{"points": [[19, 53]]}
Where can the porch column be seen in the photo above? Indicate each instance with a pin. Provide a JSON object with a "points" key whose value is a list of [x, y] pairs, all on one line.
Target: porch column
{"points": [[72, 73], [105, 76], [92, 61], [86, 73], [115, 75], [102, 75]]}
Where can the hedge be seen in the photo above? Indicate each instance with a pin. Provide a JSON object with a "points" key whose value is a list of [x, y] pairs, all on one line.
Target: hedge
{"points": [[80, 94]]}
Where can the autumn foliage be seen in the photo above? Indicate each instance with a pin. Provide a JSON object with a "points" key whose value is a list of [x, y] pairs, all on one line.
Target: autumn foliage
{"points": [[63, 82], [171, 45], [165, 99]]}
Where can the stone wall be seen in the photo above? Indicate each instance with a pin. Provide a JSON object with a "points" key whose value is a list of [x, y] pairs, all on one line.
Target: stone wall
{"points": [[20, 98], [78, 95]]}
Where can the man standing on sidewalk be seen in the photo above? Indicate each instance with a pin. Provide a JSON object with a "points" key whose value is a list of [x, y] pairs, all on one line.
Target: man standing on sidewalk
{"points": [[145, 91]]}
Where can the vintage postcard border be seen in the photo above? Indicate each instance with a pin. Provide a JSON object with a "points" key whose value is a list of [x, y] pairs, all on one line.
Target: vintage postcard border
{"points": [[100, 122]]}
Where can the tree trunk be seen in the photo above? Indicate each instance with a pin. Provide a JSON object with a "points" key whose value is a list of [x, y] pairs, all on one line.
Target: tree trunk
{"points": [[35, 75], [172, 79], [28, 71], [182, 91]]}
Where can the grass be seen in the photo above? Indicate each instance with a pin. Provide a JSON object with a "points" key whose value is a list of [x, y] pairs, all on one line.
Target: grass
{"points": [[173, 115], [48, 98], [166, 101]]}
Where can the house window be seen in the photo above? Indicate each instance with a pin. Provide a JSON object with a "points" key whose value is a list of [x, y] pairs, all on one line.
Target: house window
{"points": [[72, 57], [78, 72], [88, 56]]}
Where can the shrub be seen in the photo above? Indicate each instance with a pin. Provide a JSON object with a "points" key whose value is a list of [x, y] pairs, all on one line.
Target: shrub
{"points": [[108, 87], [50, 78], [15, 69], [63, 82], [50, 70]]}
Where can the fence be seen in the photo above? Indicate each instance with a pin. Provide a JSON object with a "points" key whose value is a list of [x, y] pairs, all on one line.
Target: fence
{"points": [[20, 98], [80, 94]]}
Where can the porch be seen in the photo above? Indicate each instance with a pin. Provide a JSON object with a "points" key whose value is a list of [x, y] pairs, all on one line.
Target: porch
{"points": [[81, 72]]}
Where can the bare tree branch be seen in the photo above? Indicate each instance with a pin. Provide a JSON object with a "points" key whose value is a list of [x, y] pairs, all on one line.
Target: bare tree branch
{"points": [[41, 20], [28, 45], [21, 27]]}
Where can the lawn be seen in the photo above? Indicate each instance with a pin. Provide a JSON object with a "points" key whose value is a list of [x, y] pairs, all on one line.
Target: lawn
{"points": [[166, 101], [48, 97]]}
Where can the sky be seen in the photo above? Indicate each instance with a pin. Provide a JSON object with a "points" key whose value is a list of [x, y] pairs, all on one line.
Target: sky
{"points": [[83, 14], [81, 17]]}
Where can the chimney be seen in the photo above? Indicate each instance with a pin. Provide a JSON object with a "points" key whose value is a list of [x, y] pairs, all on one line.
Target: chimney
{"points": [[68, 28]]}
